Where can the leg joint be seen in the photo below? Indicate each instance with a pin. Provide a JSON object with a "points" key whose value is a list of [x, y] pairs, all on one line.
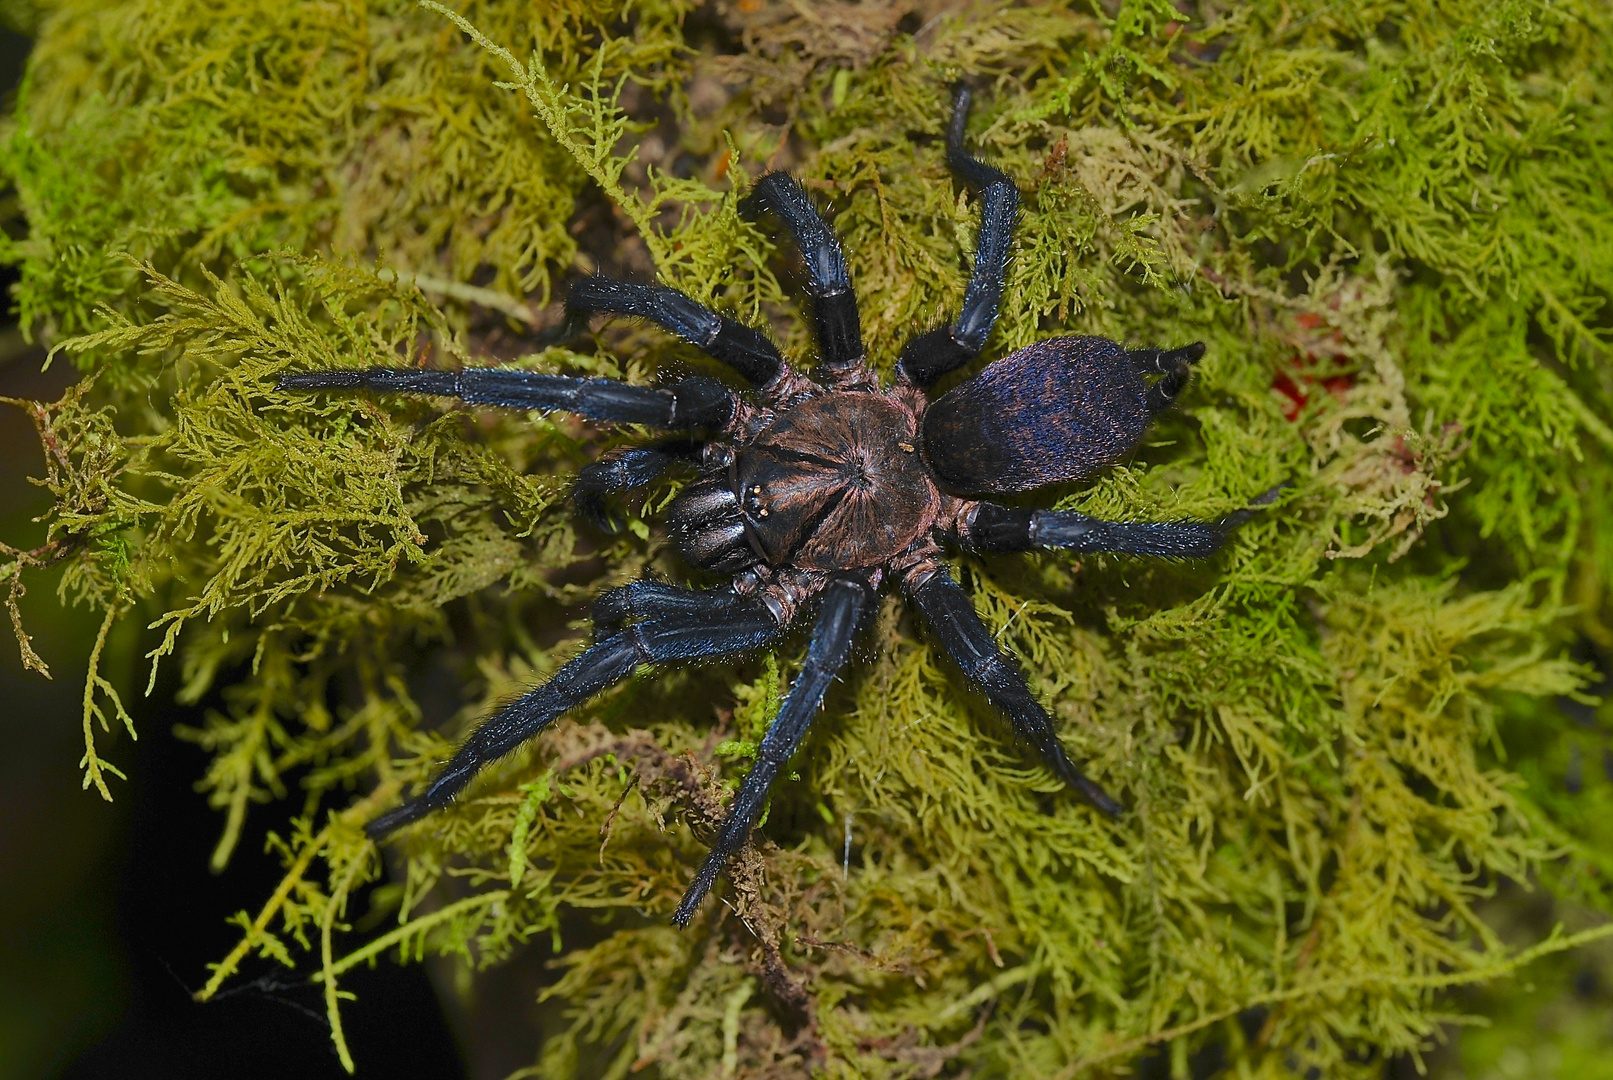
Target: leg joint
{"points": [[635, 637]]}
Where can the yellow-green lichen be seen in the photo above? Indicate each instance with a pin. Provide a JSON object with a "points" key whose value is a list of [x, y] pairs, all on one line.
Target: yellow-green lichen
{"points": [[1389, 221]]}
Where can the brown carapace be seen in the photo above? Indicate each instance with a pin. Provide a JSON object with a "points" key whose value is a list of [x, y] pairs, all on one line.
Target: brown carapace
{"points": [[814, 493]]}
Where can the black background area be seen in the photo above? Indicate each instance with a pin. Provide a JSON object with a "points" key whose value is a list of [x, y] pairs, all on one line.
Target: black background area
{"points": [[109, 916]]}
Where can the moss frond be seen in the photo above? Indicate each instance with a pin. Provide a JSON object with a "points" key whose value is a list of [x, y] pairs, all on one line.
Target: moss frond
{"points": [[1389, 222]]}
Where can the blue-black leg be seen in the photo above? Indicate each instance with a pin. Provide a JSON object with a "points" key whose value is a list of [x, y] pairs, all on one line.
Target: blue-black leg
{"points": [[1173, 364], [1003, 529], [834, 305], [717, 628], [995, 528], [929, 356], [623, 470], [647, 599], [844, 602], [747, 351], [964, 637], [693, 403]]}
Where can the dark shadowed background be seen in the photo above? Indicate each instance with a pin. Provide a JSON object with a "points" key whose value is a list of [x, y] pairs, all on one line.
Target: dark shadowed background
{"points": [[108, 915]]}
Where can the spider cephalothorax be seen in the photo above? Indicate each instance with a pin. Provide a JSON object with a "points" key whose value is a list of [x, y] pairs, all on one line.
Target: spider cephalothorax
{"points": [[815, 493]]}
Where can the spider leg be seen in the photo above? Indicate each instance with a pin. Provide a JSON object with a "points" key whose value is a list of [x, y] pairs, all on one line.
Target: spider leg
{"points": [[1173, 364], [694, 402], [929, 356], [647, 599], [844, 601], [747, 351], [998, 528], [624, 469], [834, 305], [966, 639], [1002, 529], [719, 628]]}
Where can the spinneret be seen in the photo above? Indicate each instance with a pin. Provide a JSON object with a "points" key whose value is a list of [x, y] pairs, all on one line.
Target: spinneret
{"points": [[814, 493]]}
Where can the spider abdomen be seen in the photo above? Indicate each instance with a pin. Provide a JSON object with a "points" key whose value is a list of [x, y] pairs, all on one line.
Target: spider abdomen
{"points": [[1052, 412]]}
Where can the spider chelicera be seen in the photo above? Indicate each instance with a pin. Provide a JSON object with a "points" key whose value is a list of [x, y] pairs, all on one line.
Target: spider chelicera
{"points": [[814, 493]]}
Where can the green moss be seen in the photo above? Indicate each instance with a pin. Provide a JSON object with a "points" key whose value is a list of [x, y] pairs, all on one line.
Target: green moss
{"points": [[1390, 223]]}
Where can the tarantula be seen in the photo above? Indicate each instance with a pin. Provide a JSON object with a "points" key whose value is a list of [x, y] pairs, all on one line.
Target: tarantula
{"points": [[814, 493]]}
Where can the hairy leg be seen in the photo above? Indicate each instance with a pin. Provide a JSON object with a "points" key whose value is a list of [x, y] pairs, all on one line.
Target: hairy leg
{"points": [[1001, 529], [747, 351], [623, 470], [952, 618], [647, 599], [998, 528], [834, 305], [844, 602], [692, 403], [721, 628], [929, 356]]}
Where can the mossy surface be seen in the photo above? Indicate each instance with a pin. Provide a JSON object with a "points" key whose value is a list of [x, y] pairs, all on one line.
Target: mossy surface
{"points": [[1389, 221]]}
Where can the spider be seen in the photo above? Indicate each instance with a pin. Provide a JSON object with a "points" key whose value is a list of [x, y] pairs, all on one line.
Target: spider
{"points": [[815, 492]]}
